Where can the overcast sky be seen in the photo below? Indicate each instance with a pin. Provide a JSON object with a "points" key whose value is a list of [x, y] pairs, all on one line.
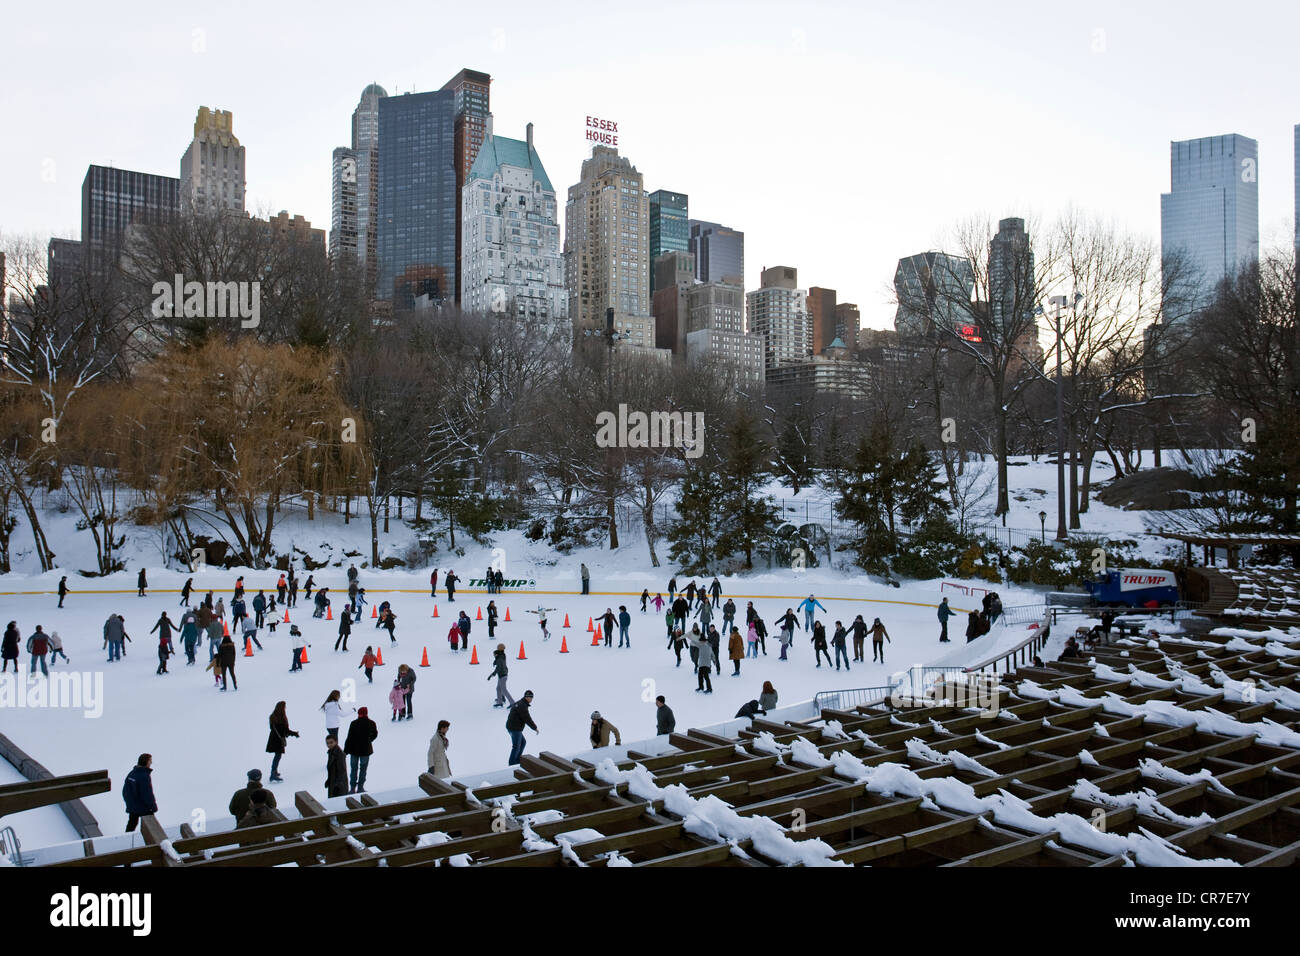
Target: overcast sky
{"points": [[838, 136]]}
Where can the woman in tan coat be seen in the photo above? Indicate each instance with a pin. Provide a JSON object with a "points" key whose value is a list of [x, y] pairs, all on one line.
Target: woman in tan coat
{"points": [[735, 650], [601, 729], [439, 765]]}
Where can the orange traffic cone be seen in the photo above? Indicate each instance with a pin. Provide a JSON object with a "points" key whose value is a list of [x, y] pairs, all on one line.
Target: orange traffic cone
{"points": [[424, 661], [286, 615], [507, 612], [374, 612], [564, 645], [595, 640], [225, 629], [303, 658], [329, 612], [566, 620], [473, 658], [435, 610], [521, 657], [379, 657], [248, 648], [480, 615], [591, 625]]}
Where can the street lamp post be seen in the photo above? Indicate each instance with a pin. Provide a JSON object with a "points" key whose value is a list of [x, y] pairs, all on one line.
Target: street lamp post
{"points": [[1042, 527], [1062, 533]]}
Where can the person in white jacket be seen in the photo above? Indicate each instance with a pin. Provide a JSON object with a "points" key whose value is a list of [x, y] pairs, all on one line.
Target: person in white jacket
{"points": [[439, 765], [299, 645], [333, 709]]}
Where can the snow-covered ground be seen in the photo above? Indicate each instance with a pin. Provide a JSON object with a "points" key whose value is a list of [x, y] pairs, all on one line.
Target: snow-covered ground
{"points": [[204, 741]]}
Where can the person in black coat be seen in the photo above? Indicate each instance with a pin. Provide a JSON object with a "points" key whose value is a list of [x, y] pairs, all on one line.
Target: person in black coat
{"points": [[681, 608], [359, 745], [492, 618], [665, 722], [345, 628], [450, 583], [185, 591], [819, 643], [715, 641], [12, 640], [242, 798], [750, 710], [278, 738], [336, 768], [227, 654], [137, 791], [259, 609], [63, 589], [141, 582]]}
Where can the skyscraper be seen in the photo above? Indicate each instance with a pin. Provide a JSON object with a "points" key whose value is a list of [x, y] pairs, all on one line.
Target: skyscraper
{"points": [[472, 105], [821, 312], [212, 169], [1210, 216], [934, 292], [778, 311], [418, 201], [674, 274], [113, 199], [343, 206], [607, 242], [848, 322], [669, 227], [510, 248], [719, 252], [1011, 279], [715, 330], [365, 148]]}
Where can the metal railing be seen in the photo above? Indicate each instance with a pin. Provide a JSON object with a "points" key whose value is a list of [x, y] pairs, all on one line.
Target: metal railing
{"points": [[1022, 653], [853, 697], [13, 848]]}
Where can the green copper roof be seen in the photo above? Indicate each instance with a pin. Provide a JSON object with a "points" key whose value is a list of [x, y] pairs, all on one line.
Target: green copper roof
{"points": [[499, 151], [838, 343]]}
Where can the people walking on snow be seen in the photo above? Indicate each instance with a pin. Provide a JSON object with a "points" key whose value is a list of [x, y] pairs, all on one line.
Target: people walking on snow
{"points": [[607, 623], [38, 645], [249, 629], [807, 605], [220, 610], [359, 600], [839, 640], [705, 613], [282, 589], [242, 798], [703, 665], [390, 623], [214, 637], [788, 622], [311, 581], [137, 791], [165, 651], [729, 615], [492, 619], [878, 637], [56, 649], [715, 589], [658, 602], [665, 720], [186, 588], [463, 625], [439, 765], [715, 643], [586, 579], [299, 645], [601, 730], [141, 582], [453, 636], [624, 622], [406, 678], [345, 630], [293, 589], [451, 586], [336, 768], [433, 584], [672, 589], [368, 661], [114, 636], [735, 650], [500, 669], [945, 612], [12, 639], [63, 589], [819, 643], [360, 746], [681, 607], [676, 642], [227, 654], [645, 597], [859, 629], [278, 738], [690, 592], [519, 717], [333, 710], [259, 608]]}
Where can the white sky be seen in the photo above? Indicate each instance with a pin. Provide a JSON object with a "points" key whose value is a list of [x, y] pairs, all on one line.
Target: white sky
{"points": [[838, 136]]}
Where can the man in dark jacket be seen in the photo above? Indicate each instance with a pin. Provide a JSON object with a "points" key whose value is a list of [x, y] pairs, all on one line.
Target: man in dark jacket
{"points": [[141, 582], [242, 799], [336, 769], [450, 581], [519, 718], [750, 710], [945, 612], [38, 645], [665, 722], [137, 791], [681, 607], [63, 589], [259, 812], [715, 589], [359, 745], [586, 579], [259, 609]]}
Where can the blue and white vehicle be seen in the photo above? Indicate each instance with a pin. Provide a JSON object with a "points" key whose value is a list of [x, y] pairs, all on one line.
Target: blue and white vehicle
{"points": [[1137, 587]]}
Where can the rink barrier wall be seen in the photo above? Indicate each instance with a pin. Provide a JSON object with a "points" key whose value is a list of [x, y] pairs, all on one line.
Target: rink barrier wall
{"points": [[78, 814]]}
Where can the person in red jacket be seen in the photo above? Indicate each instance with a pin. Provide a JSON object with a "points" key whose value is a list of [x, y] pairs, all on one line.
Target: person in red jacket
{"points": [[368, 662], [433, 584], [38, 645]]}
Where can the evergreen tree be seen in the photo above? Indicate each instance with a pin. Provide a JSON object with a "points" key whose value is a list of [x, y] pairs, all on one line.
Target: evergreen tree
{"points": [[862, 503], [749, 518], [691, 539], [793, 462]]}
